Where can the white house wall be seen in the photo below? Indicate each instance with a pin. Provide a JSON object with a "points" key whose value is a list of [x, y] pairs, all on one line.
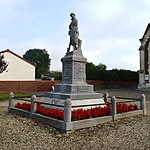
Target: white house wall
{"points": [[18, 69]]}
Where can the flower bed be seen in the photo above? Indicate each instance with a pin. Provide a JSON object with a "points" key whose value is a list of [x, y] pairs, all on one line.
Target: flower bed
{"points": [[125, 108], [78, 114], [90, 113], [25, 106], [51, 112]]}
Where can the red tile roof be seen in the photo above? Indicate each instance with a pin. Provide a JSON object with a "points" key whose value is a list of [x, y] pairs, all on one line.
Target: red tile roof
{"points": [[9, 51]]}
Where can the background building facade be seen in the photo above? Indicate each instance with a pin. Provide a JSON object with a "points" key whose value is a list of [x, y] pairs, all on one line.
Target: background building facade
{"points": [[18, 68], [144, 50]]}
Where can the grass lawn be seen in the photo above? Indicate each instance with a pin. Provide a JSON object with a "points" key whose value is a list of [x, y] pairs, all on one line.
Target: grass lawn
{"points": [[4, 96]]}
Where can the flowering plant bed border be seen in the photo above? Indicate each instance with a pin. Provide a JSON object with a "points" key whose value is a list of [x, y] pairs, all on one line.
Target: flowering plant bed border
{"points": [[127, 114], [21, 112], [66, 124], [78, 114], [74, 125], [60, 124]]}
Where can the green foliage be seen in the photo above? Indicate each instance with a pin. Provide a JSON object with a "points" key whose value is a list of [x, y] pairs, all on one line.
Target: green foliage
{"points": [[57, 75], [4, 96], [41, 59], [101, 66], [3, 64], [90, 70], [99, 72]]}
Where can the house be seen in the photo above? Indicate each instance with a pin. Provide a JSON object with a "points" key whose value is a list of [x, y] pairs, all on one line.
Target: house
{"points": [[144, 51], [18, 67]]}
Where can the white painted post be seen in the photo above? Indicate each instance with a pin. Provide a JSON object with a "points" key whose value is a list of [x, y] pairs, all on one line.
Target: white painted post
{"points": [[33, 104], [113, 107], [143, 103], [67, 111], [11, 102]]}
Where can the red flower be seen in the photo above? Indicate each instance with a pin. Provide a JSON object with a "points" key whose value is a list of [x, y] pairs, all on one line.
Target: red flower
{"points": [[51, 112], [124, 107], [78, 114], [135, 107], [25, 106]]}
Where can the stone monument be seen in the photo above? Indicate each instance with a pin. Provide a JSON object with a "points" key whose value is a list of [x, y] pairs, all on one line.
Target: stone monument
{"points": [[73, 85]]}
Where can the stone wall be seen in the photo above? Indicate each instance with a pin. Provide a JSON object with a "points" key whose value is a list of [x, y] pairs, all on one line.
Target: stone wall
{"points": [[46, 85], [100, 84], [26, 86]]}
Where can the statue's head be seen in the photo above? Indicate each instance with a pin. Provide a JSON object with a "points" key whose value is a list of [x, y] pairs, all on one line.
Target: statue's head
{"points": [[72, 15]]}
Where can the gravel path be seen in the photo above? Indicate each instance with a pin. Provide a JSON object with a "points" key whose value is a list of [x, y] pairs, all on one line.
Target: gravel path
{"points": [[21, 133]]}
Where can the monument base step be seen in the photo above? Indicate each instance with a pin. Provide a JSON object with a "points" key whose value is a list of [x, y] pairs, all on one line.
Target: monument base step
{"points": [[79, 87], [73, 96], [76, 104]]}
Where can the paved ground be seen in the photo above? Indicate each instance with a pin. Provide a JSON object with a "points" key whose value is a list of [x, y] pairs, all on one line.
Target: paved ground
{"points": [[126, 93], [21, 133]]}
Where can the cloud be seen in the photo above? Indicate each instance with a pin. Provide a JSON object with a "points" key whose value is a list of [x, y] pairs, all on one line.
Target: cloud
{"points": [[113, 51], [105, 19], [11, 9], [109, 30], [128, 62], [56, 52]]}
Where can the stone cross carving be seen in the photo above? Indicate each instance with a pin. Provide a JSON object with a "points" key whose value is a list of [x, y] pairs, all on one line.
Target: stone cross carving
{"points": [[74, 34]]}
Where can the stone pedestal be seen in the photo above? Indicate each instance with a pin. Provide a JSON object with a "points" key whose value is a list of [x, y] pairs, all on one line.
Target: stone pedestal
{"points": [[73, 85]]}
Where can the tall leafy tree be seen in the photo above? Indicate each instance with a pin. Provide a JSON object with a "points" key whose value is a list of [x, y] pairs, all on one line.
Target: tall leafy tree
{"points": [[3, 64], [100, 72], [41, 59], [102, 66], [90, 71]]}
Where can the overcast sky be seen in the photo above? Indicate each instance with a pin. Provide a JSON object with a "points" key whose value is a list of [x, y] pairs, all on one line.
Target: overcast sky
{"points": [[110, 29]]}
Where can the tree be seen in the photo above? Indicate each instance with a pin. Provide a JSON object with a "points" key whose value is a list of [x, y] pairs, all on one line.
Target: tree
{"points": [[94, 72], [102, 66], [90, 71], [41, 59], [99, 72], [3, 64], [57, 75]]}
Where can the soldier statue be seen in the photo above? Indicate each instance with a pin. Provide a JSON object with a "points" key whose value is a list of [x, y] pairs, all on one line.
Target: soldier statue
{"points": [[74, 34]]}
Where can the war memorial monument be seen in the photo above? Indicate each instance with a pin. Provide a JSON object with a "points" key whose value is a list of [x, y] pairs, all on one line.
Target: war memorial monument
{"points": [[74, 93], [73, 85]]}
